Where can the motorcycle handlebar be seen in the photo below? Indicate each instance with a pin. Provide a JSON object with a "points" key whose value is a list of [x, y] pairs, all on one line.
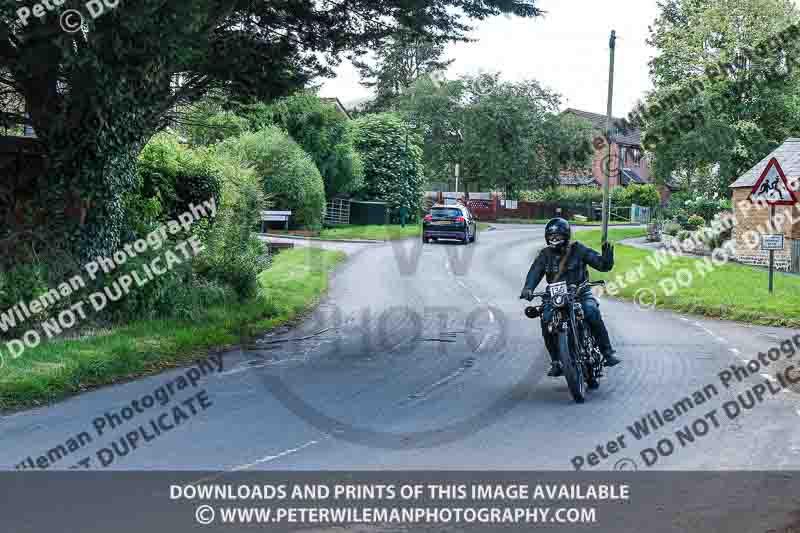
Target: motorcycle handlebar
{"points": [[542, 294]]}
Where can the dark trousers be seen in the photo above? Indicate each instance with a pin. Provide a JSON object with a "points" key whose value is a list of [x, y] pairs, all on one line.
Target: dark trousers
{"points": [[591, 310]]}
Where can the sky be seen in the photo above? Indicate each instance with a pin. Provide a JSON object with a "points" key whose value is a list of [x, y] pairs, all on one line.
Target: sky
{"points": [[566, 51]]}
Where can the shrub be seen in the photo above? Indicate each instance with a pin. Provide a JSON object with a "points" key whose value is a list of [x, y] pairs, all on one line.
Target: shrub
{"points": [[683, 235], [233, 255], [323, 132], [177, 175], [392, 164], [694, 222], [620, 197], [287, 174], [644, 195], [671, 228], [706, 208]]}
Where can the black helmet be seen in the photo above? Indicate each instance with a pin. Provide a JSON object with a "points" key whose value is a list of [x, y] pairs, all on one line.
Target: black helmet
{"points": [[557, 233]]}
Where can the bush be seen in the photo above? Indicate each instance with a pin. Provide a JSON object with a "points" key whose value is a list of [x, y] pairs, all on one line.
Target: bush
{"points": [[671, 228], [620, 197], [323, 132], [233, 255], [706, 208], [683, 235], [694, 222], [393, 169], [288, 175], [177, 175], [644, 195]]}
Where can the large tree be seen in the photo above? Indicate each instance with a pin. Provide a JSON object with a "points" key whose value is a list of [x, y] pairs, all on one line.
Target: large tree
{"points": [[97, 93], [398, 63], [716, 123], [505, 135]]}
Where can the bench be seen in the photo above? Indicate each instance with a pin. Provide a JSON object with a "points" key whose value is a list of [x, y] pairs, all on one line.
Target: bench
{"points": [[274, 216]]}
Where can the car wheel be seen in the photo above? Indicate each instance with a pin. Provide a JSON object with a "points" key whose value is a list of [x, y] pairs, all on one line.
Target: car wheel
{"points": [[475, 234]]}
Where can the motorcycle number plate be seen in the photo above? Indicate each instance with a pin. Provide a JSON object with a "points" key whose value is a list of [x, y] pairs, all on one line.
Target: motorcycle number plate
{"points": [[558, 288]]}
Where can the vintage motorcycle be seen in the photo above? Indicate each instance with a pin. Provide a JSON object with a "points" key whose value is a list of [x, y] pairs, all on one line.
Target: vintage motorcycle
{"points": [[580, 356]]}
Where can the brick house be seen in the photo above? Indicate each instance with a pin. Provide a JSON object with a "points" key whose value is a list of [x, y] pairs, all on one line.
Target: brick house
{"points": [[627, 155], [750, 217]]}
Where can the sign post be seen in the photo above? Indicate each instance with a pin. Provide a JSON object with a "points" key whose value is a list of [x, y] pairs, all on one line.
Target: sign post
{"points": [[772, 189]]}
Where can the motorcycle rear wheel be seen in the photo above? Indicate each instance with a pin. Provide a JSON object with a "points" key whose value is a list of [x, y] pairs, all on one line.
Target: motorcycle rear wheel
{"points": [[573, 372]]}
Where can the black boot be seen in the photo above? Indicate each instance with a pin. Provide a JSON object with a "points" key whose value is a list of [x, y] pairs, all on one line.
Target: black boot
{"points": [[609, 359], [556, 370]]}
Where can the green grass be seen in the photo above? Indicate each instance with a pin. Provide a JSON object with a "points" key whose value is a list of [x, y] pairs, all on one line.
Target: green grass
{"points": [[372, 232], [58, 369], [730, 291], [378, 233], [546, 220]]}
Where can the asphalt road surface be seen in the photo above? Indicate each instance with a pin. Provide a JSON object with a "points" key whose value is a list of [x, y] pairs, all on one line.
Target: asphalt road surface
{"points": [[420, 357]]}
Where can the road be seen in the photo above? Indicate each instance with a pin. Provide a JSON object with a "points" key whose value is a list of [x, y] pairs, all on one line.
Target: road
{"points": [[434, 366]]}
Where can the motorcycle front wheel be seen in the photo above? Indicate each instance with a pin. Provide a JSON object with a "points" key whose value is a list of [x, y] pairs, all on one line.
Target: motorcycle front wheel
{"points": [[573, 372]]}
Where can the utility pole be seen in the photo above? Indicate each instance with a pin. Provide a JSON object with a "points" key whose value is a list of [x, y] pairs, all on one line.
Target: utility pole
{"points": [[606, 192]]}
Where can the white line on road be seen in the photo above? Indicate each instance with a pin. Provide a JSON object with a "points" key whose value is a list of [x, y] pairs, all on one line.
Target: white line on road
{"points": [[767, 376], [734, 350], [270, 458]]}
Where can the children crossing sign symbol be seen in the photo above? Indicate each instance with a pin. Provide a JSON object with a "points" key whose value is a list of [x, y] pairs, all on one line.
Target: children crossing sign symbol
{"points": [[772, 187]]}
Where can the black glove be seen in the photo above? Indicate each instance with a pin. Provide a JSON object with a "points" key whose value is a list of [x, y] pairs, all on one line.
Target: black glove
{"points": [[527, 294], [608, 253]]}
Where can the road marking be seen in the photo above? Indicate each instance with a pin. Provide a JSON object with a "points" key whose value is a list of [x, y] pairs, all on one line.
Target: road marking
{"points": [[721, 340], [684, 319], [770, 378], [797, 411], [734, 350], [270, 458]]}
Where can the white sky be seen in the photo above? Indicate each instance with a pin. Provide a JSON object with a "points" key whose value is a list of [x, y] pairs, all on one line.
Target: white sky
{"points": [[566, 50]]}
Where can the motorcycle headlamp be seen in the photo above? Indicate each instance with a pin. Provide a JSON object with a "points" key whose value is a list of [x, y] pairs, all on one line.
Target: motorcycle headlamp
{"points": [[559, 300]]}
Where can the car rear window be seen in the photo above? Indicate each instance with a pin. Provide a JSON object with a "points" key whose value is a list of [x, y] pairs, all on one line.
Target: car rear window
{"points": [[446, 213]]}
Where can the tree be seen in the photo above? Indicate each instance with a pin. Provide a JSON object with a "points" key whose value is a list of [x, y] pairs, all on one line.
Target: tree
{"points": [[322, 131], [722, 119], [288, 175], [513, 139], [505, 135], [398, 63], [393, 170], [97, 94]]}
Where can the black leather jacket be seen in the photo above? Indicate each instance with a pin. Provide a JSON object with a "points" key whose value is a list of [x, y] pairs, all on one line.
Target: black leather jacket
{"points": [[548, 262]]}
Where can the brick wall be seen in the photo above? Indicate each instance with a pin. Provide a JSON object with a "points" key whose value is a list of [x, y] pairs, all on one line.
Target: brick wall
{"points": [[757, 219]]}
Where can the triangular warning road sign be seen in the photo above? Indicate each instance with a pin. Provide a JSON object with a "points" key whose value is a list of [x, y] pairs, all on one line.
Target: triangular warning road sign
{"points": [[772, 187]]}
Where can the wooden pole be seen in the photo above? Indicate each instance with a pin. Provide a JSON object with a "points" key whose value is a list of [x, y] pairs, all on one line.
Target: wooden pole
{"points": [[606, 186]]}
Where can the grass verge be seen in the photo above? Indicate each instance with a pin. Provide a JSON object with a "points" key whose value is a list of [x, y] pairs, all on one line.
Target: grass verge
{"points": [[378, 233], [730, 291], [58, 369], [546, 220]]}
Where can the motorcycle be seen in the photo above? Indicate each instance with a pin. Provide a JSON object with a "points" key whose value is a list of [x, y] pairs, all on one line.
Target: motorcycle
{"points": [[580, 356]]}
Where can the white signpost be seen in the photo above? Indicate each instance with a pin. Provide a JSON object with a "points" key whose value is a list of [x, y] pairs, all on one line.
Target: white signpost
{"points": [[772, 188], [275, 216], [772, 242]]}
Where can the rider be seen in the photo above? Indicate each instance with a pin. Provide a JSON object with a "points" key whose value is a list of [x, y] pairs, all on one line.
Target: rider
{"points": [[565, 261]]}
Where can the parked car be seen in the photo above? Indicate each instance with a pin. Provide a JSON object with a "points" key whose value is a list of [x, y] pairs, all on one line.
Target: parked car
{"points": [[449, 222]]}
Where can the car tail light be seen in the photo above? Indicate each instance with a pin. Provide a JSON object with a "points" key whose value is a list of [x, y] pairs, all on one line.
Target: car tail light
{"points": [[428, 218], [460, 219]]}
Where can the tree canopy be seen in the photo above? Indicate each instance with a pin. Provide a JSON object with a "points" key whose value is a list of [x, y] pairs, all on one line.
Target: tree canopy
{"points": [[727, 122], [95, 95]]}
